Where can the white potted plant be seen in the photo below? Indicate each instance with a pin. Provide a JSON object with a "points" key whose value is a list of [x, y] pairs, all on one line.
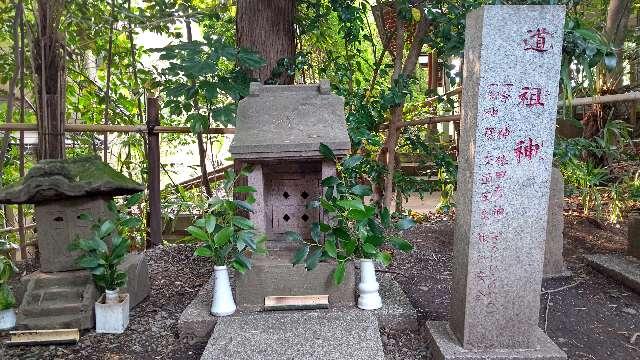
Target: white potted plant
{"points": [[7, 300], [351, 230], [102, 260], [227, 238]]}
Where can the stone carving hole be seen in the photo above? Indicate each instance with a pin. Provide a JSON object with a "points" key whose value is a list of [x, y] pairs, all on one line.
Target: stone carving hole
{"points": [[58, 218], [286, 217], [304, 196], [305, 217], [285, 195]]}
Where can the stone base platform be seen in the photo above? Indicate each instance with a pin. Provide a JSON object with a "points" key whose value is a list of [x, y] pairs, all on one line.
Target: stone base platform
{"points": [[66, 299], [320, 334], [196, 322], [444, 346], [625, 269], [273, 275]]}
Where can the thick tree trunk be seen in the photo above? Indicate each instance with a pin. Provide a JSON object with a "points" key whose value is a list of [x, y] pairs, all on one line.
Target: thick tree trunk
{"points": [[618, 15], [49, 69], [267, 28]]}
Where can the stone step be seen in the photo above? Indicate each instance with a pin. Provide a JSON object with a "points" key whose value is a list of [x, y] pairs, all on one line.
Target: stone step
{"points": [[52, 309], [79, 320], [312, 335]]}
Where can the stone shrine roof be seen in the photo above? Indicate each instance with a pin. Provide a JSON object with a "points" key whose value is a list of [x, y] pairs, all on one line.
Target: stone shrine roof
{"points": [[51, 180], [290, 121]]}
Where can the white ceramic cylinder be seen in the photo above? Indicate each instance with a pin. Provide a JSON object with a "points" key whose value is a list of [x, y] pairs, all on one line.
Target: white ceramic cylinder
{"points": [[369, 298], [111, 296], [7, 319], [222, 304]]}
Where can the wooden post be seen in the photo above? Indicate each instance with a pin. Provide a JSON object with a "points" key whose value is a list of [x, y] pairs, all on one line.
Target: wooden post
{"points": [[154, 221]]}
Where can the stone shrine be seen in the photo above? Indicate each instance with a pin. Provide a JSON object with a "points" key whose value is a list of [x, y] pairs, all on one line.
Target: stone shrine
{"points": [[279, 130], [62, 294], [511, 72]]}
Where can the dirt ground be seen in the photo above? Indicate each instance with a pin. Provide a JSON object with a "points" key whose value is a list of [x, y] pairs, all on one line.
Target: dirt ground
{"points": [[587, 315]]}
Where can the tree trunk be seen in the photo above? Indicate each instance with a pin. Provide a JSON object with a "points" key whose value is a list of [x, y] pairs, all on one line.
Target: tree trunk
{"points": [[49, 70], [267, 28], [618, 15]]}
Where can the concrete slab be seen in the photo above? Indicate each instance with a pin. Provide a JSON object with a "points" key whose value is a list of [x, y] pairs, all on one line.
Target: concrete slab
{"points": [[323, 334], [444, 346], [625, 269], [196, 322]]}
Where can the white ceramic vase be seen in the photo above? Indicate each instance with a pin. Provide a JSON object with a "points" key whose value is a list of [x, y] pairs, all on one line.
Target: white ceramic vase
{"points": [[7, 319], [368, 287], [222, 303], [111, 296]]}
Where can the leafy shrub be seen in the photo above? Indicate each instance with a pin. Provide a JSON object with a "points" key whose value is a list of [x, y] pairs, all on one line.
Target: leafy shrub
{"points": [[225, 234], [350, 229], [7, 269], [100, 258]]}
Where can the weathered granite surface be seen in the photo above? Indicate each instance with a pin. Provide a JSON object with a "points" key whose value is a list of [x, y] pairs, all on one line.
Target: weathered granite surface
{"points": [[444, 346], [309, 335], [554, 244], [282, 121], [273, 275], [511, 71], [625, 269], [51, 180]]}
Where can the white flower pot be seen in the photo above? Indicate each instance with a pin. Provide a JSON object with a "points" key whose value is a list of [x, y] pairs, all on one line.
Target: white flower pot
{"points": [[112, 318], [112, 296], [7, 319], [222, 304], [368, 287]]}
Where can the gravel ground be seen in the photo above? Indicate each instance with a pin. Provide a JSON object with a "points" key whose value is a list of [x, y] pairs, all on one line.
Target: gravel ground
{"points": [[590, 317]]}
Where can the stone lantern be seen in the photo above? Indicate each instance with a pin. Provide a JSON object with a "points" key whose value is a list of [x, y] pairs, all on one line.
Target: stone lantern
{"points": [[61, 294], [279, 129]]}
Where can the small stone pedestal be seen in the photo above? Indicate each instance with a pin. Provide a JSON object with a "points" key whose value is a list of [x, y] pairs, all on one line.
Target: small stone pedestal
{"points": [[511, 72]]}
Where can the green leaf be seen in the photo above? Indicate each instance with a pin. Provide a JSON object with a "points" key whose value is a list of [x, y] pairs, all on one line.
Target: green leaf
{"points": [[338, 273], [369, 249], [223, 236], [315, 232], [385, 216], [330, 248], [244, 205], [362, 190], [85, 217], [401, 244], [242, 222], [329, 181], [357, 215], [244, 189], [241, 263], [384, 258], [134, 199], [312, 260], [106, 228], [292, 236], [88, 261], [300, 254], [131, 223], [405, 224], [203, 251], [197, 233], [247, 237], [352, 161], [210, 223], [351, 204], [327, 153]]}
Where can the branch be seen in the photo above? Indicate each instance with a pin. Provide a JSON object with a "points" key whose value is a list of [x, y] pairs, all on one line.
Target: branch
{"points": [[416, 45]]}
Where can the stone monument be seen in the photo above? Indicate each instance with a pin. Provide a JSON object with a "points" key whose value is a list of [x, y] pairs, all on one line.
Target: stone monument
{"points": [[61, 294], [511, 76], [279, 130], [554, 266]]}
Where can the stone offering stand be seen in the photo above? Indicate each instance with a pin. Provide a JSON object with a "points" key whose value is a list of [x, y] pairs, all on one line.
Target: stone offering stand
{"points": [[61, 294]]}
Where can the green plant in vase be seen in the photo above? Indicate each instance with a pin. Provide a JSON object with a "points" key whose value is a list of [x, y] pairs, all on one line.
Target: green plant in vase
{"points": [[351, 230], [227, 238]]}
